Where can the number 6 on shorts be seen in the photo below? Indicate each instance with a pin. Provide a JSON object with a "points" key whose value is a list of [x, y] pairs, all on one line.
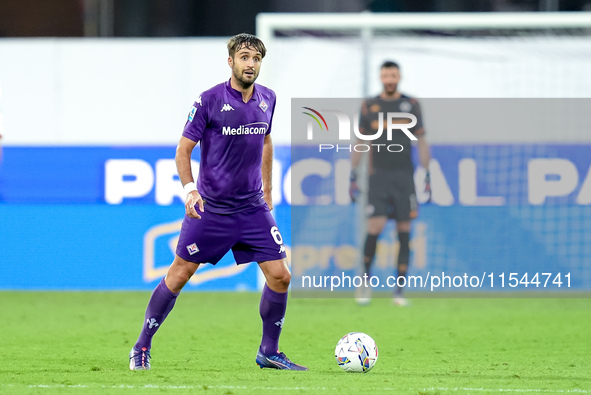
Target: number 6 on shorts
{"points": [[276, 235]]}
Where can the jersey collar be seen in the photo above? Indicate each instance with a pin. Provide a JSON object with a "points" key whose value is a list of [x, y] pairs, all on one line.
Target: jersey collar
{"points": [[237, 94]]}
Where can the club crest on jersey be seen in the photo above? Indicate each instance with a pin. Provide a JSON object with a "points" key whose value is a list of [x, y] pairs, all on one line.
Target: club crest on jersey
{"points": [[405, 106], [263, 106], [192, 249], [192, 113]]}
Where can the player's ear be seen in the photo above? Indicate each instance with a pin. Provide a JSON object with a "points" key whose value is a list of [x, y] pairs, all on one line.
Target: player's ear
{"points": [[230, 61]]}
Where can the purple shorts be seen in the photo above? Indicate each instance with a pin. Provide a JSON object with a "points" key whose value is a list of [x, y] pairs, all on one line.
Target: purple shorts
{"points": [[252, 235]]}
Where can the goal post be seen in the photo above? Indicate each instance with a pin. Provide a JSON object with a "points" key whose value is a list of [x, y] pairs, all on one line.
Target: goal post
{"points": [[267, 23]]}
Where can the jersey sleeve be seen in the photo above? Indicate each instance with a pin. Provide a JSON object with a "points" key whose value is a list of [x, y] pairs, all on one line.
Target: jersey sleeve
{"points": [[418, 129], [197, 121], [271, 120], [274, 101]]}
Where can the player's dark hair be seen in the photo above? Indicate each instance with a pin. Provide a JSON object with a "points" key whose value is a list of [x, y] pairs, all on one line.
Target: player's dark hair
{"points": [[245, 40], [389, 64]]}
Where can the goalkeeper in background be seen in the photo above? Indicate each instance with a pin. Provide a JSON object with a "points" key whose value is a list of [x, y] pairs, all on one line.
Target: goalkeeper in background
{"points": [[391, 193]]}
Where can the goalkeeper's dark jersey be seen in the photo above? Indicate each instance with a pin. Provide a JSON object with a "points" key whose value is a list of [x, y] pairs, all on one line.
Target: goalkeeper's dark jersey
{"points": [[368, 124]]}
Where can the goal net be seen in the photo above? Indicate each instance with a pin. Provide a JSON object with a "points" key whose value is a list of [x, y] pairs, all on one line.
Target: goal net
{"points": [[505, 199]]}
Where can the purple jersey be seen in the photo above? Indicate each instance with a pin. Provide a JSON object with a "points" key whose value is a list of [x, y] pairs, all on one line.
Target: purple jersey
{"points": [[232, 135]]}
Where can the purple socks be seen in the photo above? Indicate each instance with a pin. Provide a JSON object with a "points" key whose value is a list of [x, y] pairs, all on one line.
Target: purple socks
{"points": [[272, 309], [161, 303]]}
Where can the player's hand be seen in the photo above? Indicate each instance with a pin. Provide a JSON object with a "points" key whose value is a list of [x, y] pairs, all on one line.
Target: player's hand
{"points": [[428, 185], [354, 190], [193, 198], [268, 199]]}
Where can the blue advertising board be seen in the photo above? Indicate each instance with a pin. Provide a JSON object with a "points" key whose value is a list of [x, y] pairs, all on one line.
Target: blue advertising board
{"points": [[109, 217]]}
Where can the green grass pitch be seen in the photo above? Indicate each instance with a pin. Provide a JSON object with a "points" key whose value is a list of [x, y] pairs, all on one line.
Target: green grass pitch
{"points": [[78, 342]]}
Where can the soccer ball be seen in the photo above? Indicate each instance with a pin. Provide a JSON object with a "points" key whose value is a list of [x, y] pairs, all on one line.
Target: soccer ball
{"points": [[356, 352]]}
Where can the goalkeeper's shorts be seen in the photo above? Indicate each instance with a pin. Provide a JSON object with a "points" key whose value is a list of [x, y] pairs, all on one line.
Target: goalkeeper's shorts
{"points": [[392, 194]]}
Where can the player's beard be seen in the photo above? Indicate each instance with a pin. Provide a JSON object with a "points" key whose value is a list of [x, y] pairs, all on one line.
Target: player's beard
{"points": [[239, 75], [390, 89]]}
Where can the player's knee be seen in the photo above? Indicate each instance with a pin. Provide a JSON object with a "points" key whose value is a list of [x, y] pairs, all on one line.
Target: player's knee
{"points": [[403, 226], [402, 269], [185, 276], [177, 279], [179, 274], [369, 249], [404, 252], [374, 228], [281, 280], [277, 274], [285, 279]]}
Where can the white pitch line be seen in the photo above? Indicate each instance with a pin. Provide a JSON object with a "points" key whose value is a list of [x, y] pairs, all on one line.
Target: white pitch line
{"points": [[234, 387], [579, 391]]}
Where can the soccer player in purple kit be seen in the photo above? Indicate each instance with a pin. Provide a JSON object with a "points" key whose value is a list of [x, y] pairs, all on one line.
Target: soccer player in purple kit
{"points": [[230, 207]]}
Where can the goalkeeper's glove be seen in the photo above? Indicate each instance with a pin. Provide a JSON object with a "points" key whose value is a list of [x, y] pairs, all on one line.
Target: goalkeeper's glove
{"points": [[428, 185], [354, 190]]}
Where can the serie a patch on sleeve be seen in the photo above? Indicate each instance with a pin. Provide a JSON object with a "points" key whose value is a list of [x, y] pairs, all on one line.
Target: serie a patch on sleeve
{"points": [[192, 113]]}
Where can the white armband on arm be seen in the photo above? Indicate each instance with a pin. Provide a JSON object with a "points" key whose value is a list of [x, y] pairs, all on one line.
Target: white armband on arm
{"points": [[189, 187]]}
